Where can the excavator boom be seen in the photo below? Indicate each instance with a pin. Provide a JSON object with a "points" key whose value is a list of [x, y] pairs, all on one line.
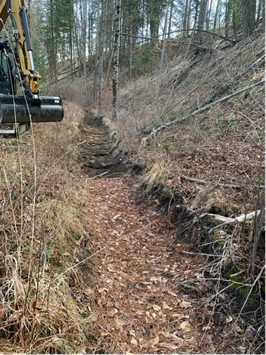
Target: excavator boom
{"points": [[17, 67]]}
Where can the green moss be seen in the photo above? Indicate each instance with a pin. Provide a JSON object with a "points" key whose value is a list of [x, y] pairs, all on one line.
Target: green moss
{"points": [[242, 292], [233, 122], [167, 146], [167, 192]]}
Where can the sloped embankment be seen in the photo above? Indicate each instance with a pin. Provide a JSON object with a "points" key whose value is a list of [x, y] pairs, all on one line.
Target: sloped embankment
{"points": [[101, 152]]}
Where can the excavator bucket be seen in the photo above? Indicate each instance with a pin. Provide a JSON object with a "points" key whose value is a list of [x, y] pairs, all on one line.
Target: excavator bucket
{"points": [[15, 109], [16, 114]]}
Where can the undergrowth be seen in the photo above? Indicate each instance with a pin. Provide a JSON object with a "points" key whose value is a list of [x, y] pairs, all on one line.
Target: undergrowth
{"points": [[40, 234]]}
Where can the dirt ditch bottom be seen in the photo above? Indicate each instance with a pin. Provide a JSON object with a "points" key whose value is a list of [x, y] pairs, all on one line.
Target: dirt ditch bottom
{"points": [[100, 152]]}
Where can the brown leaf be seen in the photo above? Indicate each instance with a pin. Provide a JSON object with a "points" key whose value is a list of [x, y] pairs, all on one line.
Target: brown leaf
{"points": [[156, 307], [185, 304], [113, 312], [165, 306], [150, 343], [133, 341], [168, 346], [185, 326], [2, 315], [155, 340]]}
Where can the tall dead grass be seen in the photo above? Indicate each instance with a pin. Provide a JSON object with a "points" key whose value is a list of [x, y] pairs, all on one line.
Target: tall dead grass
{"points": [[41, 227]]}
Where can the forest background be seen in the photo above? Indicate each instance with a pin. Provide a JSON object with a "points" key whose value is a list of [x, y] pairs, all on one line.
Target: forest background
{"points": [[71, 36]]}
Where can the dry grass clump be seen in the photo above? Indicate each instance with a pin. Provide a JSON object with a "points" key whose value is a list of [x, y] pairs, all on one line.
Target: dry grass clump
{"points": [[50, 323], [153, 175], [40, 236]]}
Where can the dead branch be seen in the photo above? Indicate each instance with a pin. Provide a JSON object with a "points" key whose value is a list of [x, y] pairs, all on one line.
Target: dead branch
{"points": [[228, 186], [220, 89], [177, 31], [205, 108], [214, 218], [203, 182], [251, 289], [134, 36], [223, 221]]}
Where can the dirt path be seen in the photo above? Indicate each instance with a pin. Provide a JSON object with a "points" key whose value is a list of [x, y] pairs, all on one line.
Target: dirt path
{"points": [[139, 306]]}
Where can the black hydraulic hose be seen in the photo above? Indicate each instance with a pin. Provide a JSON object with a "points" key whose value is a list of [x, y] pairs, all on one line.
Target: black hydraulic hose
{"points": [[26, 30]]}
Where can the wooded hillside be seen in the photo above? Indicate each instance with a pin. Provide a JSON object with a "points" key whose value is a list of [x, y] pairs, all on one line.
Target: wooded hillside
{"points": [[73, 36], [136, 225]]}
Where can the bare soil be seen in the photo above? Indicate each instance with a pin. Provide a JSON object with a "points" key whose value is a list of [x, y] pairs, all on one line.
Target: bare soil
{"points": [[100, 153]]}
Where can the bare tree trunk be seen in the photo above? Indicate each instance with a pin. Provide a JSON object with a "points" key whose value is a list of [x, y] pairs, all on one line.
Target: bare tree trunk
{"points": [[234, 24], [208, 16], [157, 116], [53, 59], [84, 40], [201, 21], [227, 17], [186, 19], [217, 12], [196, 15], [130, 57], [101, 53], [263, 16], [116, 58], [109, 69], [170, 18], [71, 45], [258, 13], [248, 17]]}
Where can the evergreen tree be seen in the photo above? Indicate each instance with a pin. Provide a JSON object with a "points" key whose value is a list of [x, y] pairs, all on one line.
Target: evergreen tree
{"points": [[154, 15]]}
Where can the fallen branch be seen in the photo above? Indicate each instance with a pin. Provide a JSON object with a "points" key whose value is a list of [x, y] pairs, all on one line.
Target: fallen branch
{"points": [[214, 218], [233, 80], [191, 29], [223, 221], [249, 293], [203, 182], [205, 108]]}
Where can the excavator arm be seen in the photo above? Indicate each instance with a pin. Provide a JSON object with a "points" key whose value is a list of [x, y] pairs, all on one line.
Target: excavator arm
{"points": [[18, 68]]}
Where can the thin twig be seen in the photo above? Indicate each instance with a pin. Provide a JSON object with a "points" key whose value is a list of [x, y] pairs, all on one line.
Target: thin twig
{"points": [[251, 289]]}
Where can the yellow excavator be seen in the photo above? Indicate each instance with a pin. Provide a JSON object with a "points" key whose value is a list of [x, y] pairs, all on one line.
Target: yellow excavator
{"points": [[18, 112]]}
